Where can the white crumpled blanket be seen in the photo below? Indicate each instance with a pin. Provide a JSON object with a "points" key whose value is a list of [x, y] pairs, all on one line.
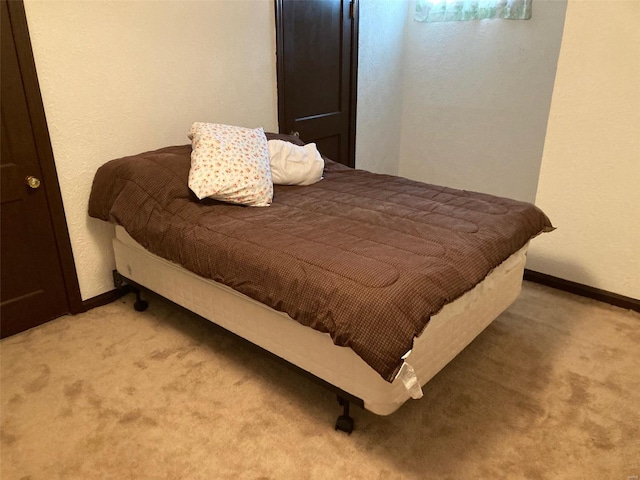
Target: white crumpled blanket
{"points": [[295, 164]]}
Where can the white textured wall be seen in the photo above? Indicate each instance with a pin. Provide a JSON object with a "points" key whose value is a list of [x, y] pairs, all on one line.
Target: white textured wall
{"points": [[476, 100], [121, 77], [590, 175], [380, 68]]}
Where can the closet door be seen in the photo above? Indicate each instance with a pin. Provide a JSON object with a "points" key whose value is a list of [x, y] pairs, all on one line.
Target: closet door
{"points": [[317, 73], [33, 288]]}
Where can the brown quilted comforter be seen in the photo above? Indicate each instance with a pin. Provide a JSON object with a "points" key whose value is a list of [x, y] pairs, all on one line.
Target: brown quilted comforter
{"points": [[367, 258]]}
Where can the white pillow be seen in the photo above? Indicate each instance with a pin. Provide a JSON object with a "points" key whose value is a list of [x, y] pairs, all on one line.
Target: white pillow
{"points": [[295, 164], [230, 164]]}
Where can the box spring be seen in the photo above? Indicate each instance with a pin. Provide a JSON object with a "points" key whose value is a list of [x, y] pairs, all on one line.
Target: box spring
{"points": [[446, 335]]}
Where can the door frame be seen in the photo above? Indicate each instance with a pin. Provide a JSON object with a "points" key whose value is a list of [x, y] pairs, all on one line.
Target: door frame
{"points": [[20, 32], [353, 88]]}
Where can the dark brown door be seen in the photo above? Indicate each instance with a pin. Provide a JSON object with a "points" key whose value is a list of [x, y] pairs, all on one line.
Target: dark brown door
{"points": [[317, 66], [32, 284]]}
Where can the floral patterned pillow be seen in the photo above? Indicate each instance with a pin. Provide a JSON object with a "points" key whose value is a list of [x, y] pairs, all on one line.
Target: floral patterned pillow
{"points": [[230, 164]]}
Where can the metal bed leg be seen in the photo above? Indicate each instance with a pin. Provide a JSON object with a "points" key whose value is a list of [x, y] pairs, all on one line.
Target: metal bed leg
{"points": [[125, 285], [344, 422], [139, 305]]}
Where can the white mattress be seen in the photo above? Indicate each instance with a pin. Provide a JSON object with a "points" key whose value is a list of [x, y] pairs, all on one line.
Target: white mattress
{"points": [[448, 332]]}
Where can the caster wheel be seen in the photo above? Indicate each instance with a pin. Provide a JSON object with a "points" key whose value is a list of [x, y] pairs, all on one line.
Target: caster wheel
{"points": [[140, 305], [344, 424]]}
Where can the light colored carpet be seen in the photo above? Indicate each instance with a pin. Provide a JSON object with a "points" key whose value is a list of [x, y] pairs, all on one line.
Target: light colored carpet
{"points": [[550, 390]]}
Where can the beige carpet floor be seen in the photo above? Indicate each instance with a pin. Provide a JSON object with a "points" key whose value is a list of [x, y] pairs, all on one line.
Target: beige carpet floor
{"points": [[551, 390]]}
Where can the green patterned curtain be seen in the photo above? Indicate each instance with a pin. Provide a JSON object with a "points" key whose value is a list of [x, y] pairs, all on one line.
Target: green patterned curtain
{"points": [[452, 10]]}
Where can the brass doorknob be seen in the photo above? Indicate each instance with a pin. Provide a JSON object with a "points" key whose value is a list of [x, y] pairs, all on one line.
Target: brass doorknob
{"points": [[32, 181]]}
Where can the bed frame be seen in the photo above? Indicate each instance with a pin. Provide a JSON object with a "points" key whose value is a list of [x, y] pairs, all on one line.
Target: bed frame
{"points": [[312, 352]]}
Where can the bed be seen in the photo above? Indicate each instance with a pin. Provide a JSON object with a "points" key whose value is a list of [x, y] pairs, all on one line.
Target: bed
{"points": [[370, 283]]}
